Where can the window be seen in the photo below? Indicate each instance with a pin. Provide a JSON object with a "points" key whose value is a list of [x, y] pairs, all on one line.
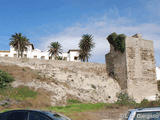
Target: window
{"points": [[35, 57], [56, 116], [18, 116], [75, 58], [50, 57], [42, 57], [3, 116], [37, 116]]}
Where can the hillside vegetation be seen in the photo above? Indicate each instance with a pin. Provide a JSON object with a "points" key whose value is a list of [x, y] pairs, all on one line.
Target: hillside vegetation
{"points": [[62, 80]]}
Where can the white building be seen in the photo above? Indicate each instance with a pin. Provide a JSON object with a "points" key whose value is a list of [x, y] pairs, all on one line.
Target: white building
{"points": [[158, 73], [32, 53]]}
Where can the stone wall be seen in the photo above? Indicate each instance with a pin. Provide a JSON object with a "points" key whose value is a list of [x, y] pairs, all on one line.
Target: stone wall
{"points": [[87, 82], [116, 67], [135, 68], [141, 72]]}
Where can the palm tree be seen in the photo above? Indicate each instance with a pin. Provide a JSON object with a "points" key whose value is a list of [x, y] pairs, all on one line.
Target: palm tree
{"points": [[86, 45], [19, 43], [55, 49]]}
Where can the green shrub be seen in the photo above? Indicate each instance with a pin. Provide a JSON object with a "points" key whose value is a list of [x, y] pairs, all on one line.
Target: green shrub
{"points": [[112, 38], [59, 58], [5, 79], [118, 41], [144, 103], [124, 99], [73, 101]]}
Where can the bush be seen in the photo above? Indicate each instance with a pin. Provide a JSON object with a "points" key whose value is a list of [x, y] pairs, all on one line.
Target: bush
{"points": [[73, 101], [5, 79], [59, 58], [124, 99], [118, 41], [144, 103]]}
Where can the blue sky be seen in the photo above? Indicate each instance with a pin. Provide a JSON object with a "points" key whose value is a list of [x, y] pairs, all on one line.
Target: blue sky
{"points": [[44, 21]]}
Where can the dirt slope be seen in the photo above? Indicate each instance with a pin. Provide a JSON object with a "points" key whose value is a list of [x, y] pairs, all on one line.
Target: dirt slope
{"points": [[87, 82]]}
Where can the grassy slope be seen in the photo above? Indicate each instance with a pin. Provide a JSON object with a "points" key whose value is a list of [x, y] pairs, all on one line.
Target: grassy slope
{"points": [[81, 107], [20, 93]]}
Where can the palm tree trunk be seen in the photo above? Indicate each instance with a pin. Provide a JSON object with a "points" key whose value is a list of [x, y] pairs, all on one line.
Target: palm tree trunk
{"points": [[55, 56], [83, 58], [21, 54], [18, 49]]}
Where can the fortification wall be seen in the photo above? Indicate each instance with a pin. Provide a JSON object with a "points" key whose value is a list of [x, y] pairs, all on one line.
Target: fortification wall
{"points": [[87, 82], [116, 66], [135, 68], [141, 74]]}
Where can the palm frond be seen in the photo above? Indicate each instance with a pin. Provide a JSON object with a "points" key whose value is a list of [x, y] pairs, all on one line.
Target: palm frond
{"points": [[86, 45], [19, 43], [55, 49]]}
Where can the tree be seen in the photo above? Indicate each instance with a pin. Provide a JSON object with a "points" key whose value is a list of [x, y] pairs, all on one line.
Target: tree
{"points": [[55, 49], [19, 43], [86, 45]]}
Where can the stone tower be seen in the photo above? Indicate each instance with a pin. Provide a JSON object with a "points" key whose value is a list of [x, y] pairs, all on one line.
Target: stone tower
{"points": [[135, 68]]}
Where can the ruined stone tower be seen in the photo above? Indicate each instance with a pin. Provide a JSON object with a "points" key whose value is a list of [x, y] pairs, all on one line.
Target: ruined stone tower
{"points": [[135, 68]]}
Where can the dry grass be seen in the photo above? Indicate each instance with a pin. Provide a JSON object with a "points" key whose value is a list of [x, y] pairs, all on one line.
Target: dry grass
{"points": [[25, 74]]}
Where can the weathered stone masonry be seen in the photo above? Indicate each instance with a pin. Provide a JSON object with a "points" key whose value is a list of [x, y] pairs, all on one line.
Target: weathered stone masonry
{"points": [[135, 68]]}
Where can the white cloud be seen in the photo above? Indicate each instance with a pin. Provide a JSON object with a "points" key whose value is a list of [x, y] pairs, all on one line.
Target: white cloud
{"points": [[100, 28]]}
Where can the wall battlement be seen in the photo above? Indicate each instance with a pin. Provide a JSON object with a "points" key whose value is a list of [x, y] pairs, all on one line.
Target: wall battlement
{"points": [[135, 68]]}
